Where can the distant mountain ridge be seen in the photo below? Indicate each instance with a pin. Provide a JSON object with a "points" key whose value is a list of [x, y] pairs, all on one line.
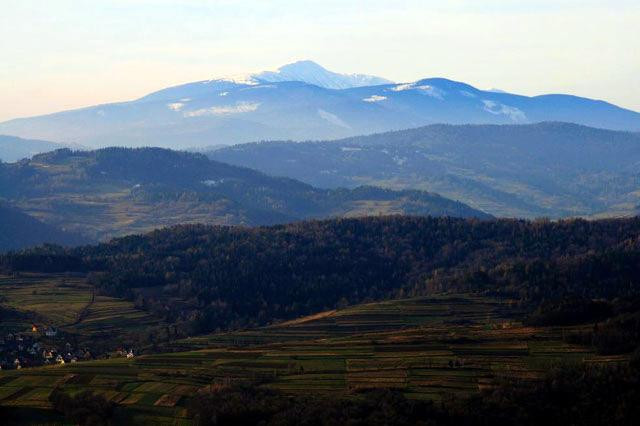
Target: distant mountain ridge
{"points": [[324, 105], [13, 148], [19, 230], [547, 169], [119, 191]]}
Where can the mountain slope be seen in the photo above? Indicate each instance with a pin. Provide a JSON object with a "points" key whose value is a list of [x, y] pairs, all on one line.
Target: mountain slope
{"points": [[19, 230], [222, 111], [117, 191], [13, 148], [547, 169]]}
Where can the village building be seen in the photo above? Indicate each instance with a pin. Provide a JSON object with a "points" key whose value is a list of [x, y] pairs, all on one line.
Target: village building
{"points": [[51, 332]]}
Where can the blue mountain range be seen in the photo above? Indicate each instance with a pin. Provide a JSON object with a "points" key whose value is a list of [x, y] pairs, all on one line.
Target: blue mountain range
{"points": [[304, 101]]}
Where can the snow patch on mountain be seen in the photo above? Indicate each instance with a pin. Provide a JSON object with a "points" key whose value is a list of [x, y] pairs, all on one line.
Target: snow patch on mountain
{"points": [[213, 182], [332, 118], [375, 98], [434, 92], [402, 87], [497, 108], [175, 106], [238, 108], [425, 89], [242, 80]]}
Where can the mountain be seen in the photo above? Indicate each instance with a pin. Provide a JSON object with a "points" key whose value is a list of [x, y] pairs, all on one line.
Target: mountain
{"points": [[13, 148], [312, 73], [227, 111], [546, 169], [19, 230], [118, 191]]}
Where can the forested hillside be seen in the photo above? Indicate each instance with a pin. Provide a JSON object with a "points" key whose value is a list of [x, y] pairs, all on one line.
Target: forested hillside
{"points": [[119, 191], [545, 169], [225, 277]]}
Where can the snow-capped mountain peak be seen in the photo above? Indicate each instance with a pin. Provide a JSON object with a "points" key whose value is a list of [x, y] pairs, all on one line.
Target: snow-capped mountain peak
{"points": [[312, 73]]}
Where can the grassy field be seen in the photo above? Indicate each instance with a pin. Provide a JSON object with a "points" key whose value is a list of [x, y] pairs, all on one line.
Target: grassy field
{"points": [[59, 298], [68, 302], [428, 348]]}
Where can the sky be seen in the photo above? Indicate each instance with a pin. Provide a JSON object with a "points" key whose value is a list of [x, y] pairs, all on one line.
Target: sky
{"points": [[63, 54]]}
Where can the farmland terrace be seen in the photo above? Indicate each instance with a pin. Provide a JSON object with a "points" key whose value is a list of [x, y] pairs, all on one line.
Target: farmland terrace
{"points": [[429, 348]]}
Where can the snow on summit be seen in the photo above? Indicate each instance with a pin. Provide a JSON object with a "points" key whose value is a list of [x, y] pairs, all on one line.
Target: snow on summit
{"points": [[312, 73]]}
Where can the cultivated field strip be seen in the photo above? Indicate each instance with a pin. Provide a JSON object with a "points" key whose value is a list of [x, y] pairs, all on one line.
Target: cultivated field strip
{"points": [[68, 302], [428, 348], [369, 318], [59, 298]]}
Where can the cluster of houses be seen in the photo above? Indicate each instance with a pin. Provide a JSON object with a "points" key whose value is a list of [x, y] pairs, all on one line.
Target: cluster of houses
{"points": [[128, 354], [22, 350], [45, 346]]}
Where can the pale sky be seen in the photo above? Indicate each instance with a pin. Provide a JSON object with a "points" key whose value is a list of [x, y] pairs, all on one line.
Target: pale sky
{"points": [[62, 54]]}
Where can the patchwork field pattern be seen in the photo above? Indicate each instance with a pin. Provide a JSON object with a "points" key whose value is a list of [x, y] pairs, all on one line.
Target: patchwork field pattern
{"points": [[59, 298], [428, 348], [68, 302]]}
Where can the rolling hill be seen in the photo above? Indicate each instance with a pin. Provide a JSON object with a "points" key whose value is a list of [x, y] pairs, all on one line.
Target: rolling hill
{"points": [[314, 104], [19, 230], [118, 191], [546, 169]]}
